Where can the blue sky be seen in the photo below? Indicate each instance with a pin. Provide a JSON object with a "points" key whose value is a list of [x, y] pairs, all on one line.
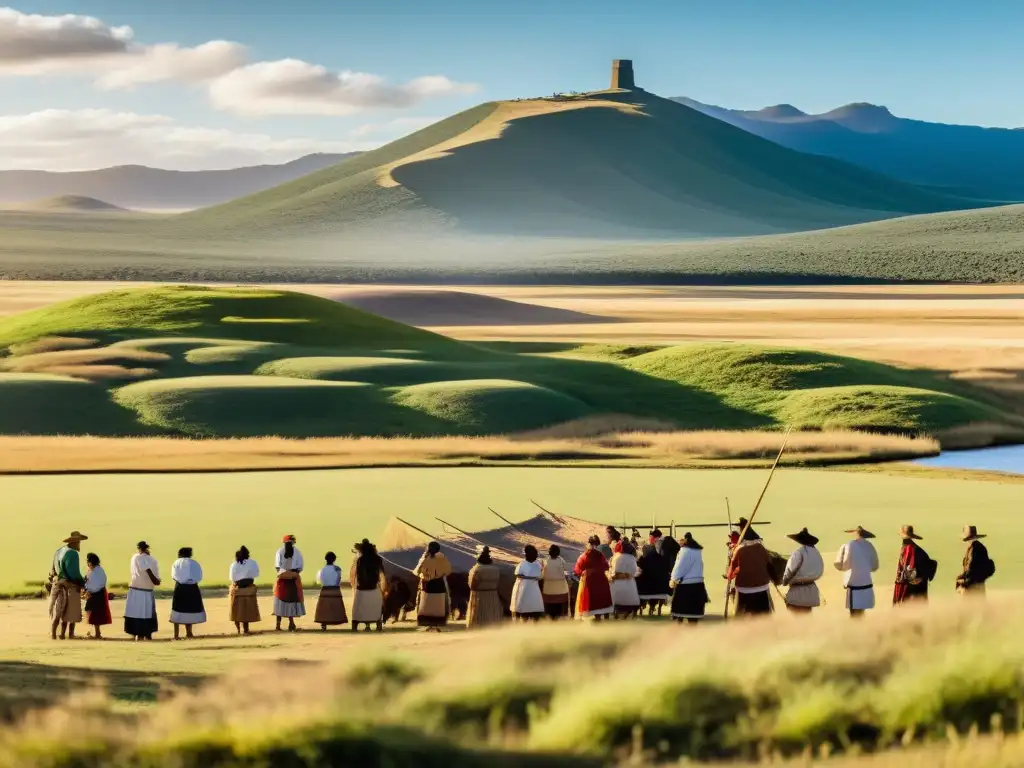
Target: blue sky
{"points": [[942, 61]]}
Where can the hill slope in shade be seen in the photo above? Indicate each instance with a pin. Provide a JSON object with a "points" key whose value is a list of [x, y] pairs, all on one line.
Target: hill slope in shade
{"points": [[609, 164], [137, 186], [964, 159], [69, 204]]}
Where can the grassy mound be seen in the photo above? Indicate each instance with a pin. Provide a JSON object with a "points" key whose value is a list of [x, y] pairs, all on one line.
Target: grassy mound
{"points": [[386, 371], [45, 404], [71, 204], [247, 406], [489, 406], [232, 313]]}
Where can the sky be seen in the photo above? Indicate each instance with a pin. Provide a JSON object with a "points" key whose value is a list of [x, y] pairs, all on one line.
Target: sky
{"points": [[194, 84]]}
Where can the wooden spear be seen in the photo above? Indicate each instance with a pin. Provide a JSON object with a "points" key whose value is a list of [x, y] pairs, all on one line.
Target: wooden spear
{"points": [[750, 520]]}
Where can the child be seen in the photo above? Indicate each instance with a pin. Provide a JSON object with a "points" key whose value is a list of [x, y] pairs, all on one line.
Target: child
{"points": [[330, 606], [97, 602]]}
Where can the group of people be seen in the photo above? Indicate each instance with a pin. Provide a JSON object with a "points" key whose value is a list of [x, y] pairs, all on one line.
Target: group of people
{"points": [[610, 580]]}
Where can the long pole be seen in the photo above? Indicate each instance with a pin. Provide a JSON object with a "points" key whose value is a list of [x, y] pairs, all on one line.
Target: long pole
{"points": [[728, 515], [750, 520], [471, 537]]}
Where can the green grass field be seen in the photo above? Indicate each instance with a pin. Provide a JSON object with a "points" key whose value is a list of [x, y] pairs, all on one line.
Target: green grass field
{"points": [[215, 513]]}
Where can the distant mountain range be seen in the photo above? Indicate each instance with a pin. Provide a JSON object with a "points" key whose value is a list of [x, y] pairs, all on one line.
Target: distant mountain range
{"points": [[967, 160], [140, 187]]}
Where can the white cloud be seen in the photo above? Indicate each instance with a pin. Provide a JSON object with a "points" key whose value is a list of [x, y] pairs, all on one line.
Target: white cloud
{"points": [[294, 87], [33, 43], [168, 61], [66, 140]]}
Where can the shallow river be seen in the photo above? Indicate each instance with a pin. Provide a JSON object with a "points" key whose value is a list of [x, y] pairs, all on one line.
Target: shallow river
{"points": [[1008, 458]]}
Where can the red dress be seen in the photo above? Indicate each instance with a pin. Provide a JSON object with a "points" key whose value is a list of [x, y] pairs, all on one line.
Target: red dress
{"points": [[595, 593]]}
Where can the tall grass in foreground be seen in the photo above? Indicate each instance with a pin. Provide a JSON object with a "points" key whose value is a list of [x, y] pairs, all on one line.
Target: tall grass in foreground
{"points": [[602, 695], [629, 448]]}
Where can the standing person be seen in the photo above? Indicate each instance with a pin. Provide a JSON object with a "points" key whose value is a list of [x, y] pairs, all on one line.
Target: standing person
{"points": [[97, 601], [751, 574], [140, 606], [652, 579], [368, 584], [65, 582], [187, 603], [914, 570], [433, 604], [858, 559], [610, 545], [689, 595], [803, 569], [555, 584], [666, 546], [289, 602], [594, 598], [978, 566], [527, 600], [623, 569], [484, 604], [330, 605], [245, 606]]}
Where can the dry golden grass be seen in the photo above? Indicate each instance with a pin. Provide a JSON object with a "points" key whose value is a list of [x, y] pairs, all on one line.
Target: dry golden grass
{"points": [[57, 356], [667, 449]]}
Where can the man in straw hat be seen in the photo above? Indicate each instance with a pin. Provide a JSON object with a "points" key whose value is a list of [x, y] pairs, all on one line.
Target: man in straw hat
{"points": [[978, 566], [858, 559], [914, 570], [65, 584], [803, 569], [752, 573]]}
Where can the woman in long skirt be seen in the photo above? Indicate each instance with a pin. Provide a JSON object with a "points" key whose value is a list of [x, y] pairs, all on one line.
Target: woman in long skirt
{"points": [[330, 605], [368, 583], [289, 602], [689, 595], [527, 600], [555, 584], [594, 598], [140, 606], [97, 601], [187, 604], [652, 580], [484, 604], [245, 606], [433, 603], [625, 597]]}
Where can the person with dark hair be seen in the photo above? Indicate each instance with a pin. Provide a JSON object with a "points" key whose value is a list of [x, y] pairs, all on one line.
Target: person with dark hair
{"points": [[433, 603], [64, 583], [368, 587], [140, 606], [330, 605], [612, 542], [594, 598], [289, 602], [623, 569], [527, 600], [554, 584], [652, 579], [187, 603], [689, 595], [245, 606], [97, 601], [484, 604]]}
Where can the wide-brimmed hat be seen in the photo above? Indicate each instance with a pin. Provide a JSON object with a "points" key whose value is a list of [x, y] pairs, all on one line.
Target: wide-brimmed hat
{"points": [[907, 532], [803, 537], [751, 534], [75, 536], [971, 533], [688, 541], [862, 532]]}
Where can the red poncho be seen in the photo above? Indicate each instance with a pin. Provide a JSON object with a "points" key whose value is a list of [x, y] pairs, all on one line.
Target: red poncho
{"points": [[595, 591]]}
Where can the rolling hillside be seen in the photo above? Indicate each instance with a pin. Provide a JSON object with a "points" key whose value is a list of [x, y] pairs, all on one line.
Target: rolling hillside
{"points": [[619, 164], [966, 159]]}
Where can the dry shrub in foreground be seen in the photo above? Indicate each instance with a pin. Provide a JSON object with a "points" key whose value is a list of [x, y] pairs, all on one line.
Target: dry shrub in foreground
{"points": [[539, 694], [668, 449]]}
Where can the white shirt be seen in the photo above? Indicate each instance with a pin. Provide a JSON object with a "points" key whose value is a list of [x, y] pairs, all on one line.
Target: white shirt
{"points": [[139, 565], [329, 576], [805, 566], [186, 571], [95, 580], [859, 560], [247, 569], [689, 567], [625, 564], [282, 563], [530, 570]]}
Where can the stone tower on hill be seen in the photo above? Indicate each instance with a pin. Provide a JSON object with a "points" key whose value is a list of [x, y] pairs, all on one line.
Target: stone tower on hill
{"points": [[622, 74]]}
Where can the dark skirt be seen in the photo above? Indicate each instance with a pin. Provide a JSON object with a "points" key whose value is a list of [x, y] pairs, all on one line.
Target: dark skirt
{"points": [[556, 610], [97, 609], [753, 603], [187, 605], [689, 601]]}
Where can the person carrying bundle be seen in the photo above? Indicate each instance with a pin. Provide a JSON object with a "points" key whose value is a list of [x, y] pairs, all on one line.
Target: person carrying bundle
{"points": [[803, 569], [978, 567], [914, 570]]}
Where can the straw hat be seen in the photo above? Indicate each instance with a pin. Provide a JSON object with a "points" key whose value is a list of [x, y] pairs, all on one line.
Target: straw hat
{"points": [[862, 533], [803, 537], [971, 533], [75, 536], [907, 532]]}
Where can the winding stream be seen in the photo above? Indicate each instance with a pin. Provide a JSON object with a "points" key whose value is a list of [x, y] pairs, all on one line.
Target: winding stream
{"points": [[1008, 458]]}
